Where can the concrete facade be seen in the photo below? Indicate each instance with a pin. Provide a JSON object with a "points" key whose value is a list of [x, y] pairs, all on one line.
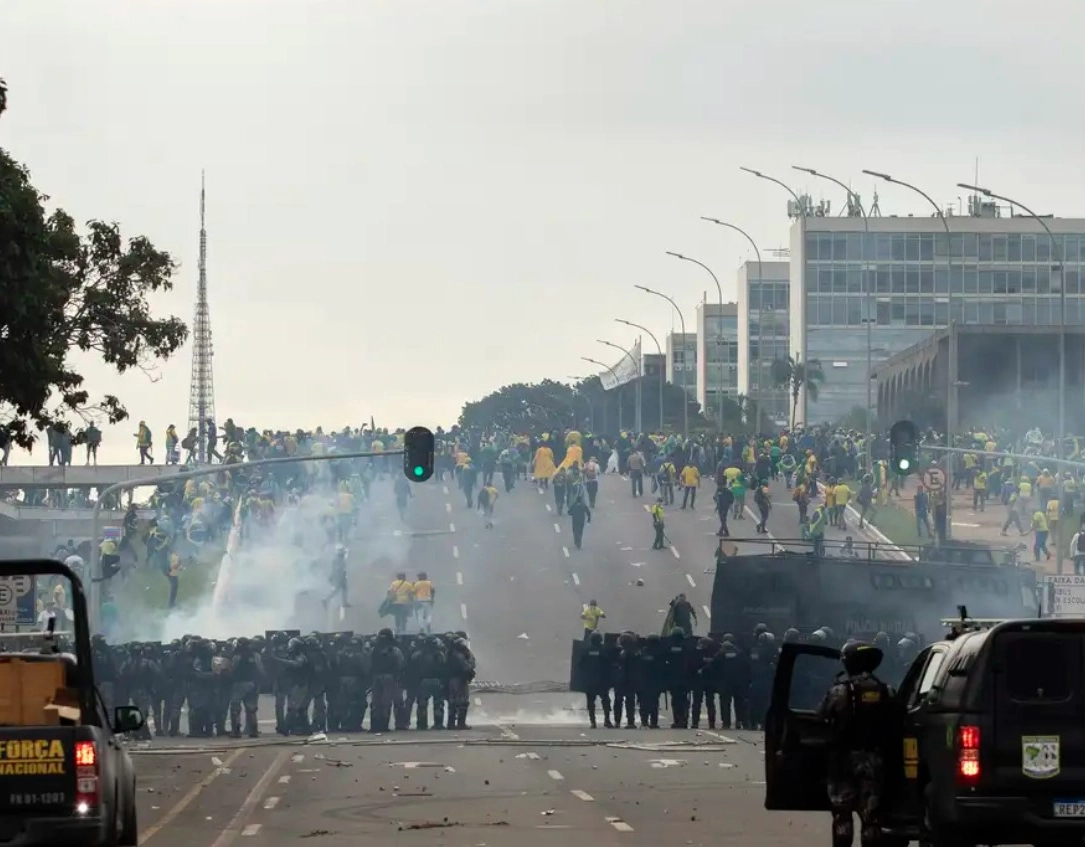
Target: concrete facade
{"points": [[904, 279], [682, 361], [763, 334], [717, 354], [75, 476]]}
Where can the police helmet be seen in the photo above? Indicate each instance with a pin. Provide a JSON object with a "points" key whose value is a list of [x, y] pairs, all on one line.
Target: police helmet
{"points": [[767, 639], [790, 635], [761, 627], [860, 657], [385, 634], [597, 637]]}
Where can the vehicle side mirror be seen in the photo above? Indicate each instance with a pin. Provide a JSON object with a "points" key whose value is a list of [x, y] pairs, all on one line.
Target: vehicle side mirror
{"points": [[127, 719]]}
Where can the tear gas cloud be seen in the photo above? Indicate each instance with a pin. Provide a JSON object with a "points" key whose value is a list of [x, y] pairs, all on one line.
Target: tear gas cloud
{"points": [[277, 576]]}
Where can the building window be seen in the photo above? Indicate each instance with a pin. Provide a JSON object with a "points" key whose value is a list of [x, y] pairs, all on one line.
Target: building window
{"points": [[986, 250], [1028, 249], [911, 247], [926, 247], [883, 313], [1013, 248]]}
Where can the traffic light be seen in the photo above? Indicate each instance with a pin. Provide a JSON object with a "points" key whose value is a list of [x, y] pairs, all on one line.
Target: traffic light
{"points": [[904, 448], [418, 449]]}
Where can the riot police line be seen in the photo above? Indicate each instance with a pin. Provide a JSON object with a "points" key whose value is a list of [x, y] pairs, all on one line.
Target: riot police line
{"points": [[727, 678], [321, 682]]}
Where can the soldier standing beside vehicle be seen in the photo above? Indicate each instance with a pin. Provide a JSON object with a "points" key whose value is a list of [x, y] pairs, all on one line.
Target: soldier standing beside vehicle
{"points": [[858, 709]]}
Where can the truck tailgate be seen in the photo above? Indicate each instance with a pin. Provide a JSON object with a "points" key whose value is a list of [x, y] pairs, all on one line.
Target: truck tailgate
{"points": [[38, 769]]}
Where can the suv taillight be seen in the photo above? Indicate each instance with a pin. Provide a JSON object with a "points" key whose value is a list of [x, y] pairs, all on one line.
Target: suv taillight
{"points": [[968, 755], [86, 777]]}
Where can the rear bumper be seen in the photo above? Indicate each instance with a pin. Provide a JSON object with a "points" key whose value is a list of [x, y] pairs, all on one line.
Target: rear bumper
{"points": [[55, 832], [1012, 820]]}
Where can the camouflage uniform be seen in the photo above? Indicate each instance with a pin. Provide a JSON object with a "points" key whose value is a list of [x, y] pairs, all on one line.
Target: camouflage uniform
{"points": [[857, 708]]}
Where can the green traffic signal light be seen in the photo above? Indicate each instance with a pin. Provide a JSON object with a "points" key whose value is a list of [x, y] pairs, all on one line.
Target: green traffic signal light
{"points": [[419, 470], [905, 464]]}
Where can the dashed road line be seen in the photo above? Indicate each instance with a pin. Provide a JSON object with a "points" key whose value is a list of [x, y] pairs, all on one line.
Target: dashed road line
{"points": [[455, 552], [444, 488], [284, 779], [297, 757], [620, 825], [508, 734], [451, 527], [459, 578], [463, 611], [539, 491], [582, 795], [478, 701], [707, 612], [549, 508], [557, 528], [236, 824], [576, 579], [271, 803], [675, 553], [689, 579], [565, 550], [252, 829], [555, 775], [342, 613], [448, 508]]}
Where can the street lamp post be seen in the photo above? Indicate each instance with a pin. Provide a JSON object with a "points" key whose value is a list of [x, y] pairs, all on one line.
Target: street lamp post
{"points": [[617, 388], [759, 398], [800, 313], [682, 318], [577, 380], [1057, 255], [719, 291], [663, 365], [868, 297], [951, 399], [637, 421]]}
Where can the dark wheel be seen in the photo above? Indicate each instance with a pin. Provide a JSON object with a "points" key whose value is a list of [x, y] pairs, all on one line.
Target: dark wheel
{"points": [[933, 834], [129, 832]]}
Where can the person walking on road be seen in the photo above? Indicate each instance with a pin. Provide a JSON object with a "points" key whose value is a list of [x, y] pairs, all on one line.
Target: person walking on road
{"points": [[591, 615], [691, 479], [591, 481], [635, 463], [658, 524], [424, 595]]}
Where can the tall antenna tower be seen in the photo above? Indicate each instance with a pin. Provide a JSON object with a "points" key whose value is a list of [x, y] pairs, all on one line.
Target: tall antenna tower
{"points": [[201, 393]]}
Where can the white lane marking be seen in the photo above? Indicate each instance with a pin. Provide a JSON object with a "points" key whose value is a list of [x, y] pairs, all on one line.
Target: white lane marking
{"points": [[478, 701], [548, 508], [675, 553], [557, 528], [539, 491], [459, 578], [297, 757], [621, 826], [448, 508], [707, 612], [647, 508], [555, 775], [582, 795], [451, 527], [271, 802], [508, 734], [342, 613], [284, 779], [397, 533], [251, 829], [565, 550], [757, 519], [576, 579], [689, 579], [726, 739], [463, 611], [455, 552], [444, 488]]}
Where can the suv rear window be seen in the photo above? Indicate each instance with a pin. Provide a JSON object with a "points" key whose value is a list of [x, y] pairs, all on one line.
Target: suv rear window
{"points": [[1040, 667]]}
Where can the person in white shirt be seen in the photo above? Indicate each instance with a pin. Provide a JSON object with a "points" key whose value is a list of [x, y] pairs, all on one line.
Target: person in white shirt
{"points": [[49, 613]]}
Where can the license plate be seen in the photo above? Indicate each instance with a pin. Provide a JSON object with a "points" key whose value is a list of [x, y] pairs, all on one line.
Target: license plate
{"points": [[1070, 808]]}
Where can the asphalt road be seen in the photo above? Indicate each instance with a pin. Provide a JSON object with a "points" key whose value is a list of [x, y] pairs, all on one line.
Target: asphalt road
{"points": [[530, 767], [537, 785]]}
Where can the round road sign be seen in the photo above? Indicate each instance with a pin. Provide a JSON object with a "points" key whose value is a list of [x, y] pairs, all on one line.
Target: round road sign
{"points": [[7, 595], [934, 478], [22, 584]]}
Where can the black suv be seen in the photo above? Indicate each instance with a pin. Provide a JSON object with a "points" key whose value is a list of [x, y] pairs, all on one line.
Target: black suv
{"points": [[992, 736]]}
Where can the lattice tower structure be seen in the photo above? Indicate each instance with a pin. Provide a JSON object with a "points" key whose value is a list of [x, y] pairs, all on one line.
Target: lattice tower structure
{"points": [[201, 395]]}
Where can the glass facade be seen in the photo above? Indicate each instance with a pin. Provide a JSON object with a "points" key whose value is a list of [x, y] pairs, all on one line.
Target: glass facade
{"points": [[769, 340], [919, 282], [682, 361], [717, 354]]}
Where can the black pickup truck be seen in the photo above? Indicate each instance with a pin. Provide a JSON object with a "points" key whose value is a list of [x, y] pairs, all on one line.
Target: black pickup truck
{"points": [[65, 777]]}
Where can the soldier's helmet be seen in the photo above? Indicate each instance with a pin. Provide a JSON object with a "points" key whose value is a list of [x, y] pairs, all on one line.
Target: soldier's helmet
{"points": [[860, 657], [385, 634], [597, 637]]}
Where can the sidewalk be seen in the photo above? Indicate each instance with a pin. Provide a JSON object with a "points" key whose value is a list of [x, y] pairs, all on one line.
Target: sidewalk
{"points": [[979, 527]]}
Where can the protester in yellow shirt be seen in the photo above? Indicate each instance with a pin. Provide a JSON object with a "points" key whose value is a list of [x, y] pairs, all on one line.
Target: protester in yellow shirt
{"points": [[979, 491], [424, 595], [591, 615], [841, 498], [1040, 531], [400, 598], [690, 478]]}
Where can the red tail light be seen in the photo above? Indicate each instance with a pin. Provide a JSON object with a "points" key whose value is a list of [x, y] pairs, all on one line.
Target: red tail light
{"points": [[86, 777], [968, 755]]}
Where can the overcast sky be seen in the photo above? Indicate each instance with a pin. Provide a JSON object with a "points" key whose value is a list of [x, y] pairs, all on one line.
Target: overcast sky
{"points": [[412, 203]]}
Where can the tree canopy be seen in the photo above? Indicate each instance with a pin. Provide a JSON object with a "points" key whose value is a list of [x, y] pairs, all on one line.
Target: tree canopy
{"points": [[62, 291], [793, 374]]}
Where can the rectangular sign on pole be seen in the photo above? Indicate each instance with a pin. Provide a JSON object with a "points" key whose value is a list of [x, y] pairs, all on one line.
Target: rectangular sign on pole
{"points": [[1065, 596], [17, 600]]}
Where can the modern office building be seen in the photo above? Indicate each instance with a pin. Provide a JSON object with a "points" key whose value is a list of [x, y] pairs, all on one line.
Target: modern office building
{"points": [[682, 361], [653, 365], [717, 354], [763, 335], [864, 291]]}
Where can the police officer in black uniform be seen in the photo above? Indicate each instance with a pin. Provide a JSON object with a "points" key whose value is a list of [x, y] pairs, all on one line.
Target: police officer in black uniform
{"points": [[859, 710]]}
